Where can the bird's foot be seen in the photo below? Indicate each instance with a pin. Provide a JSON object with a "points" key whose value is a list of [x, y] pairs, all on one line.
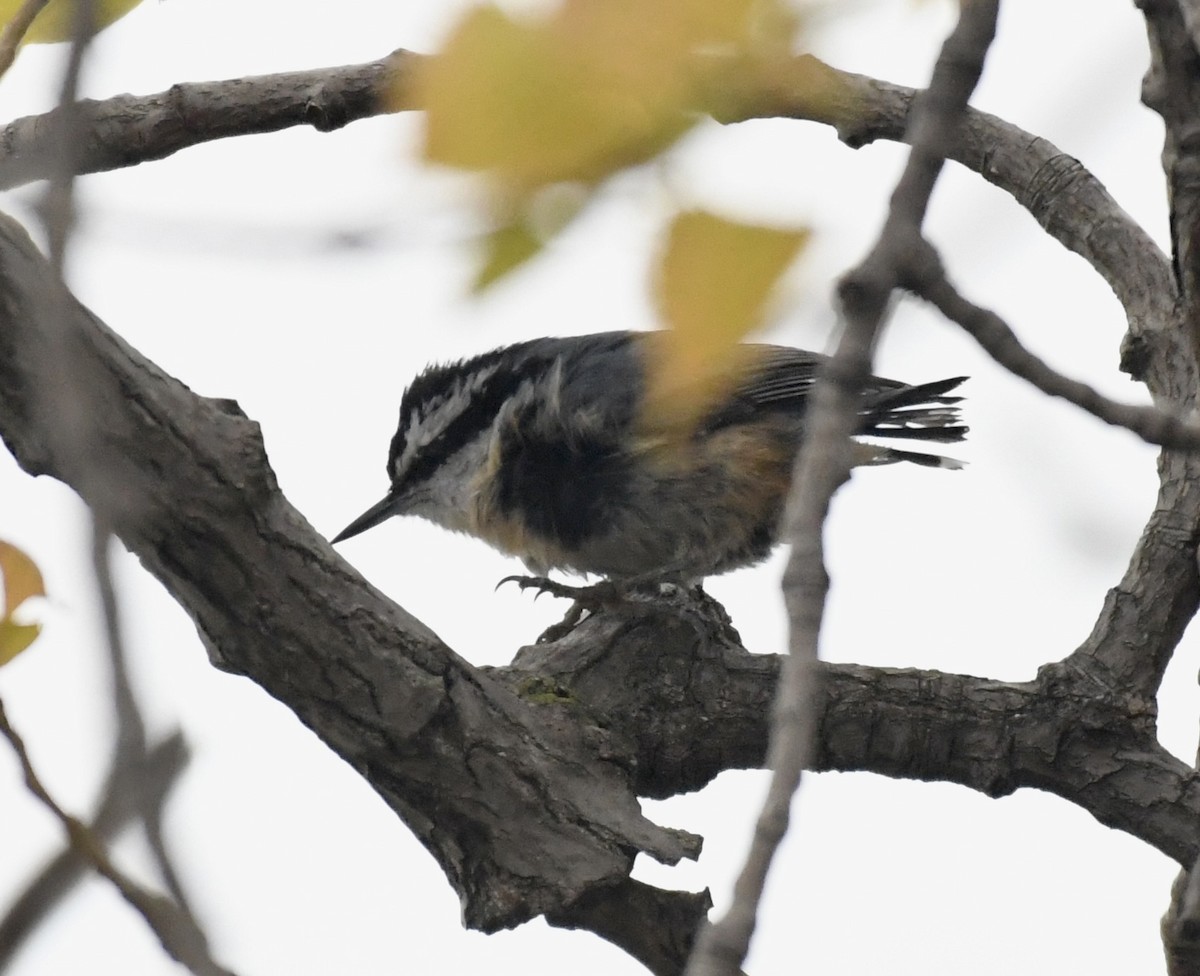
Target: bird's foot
{"points": [[654, 594], [587, 600]]}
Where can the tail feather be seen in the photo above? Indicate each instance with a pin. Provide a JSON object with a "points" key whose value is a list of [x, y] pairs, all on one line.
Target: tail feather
{"points": [[925, 460], [878, 454], [922, 412]]}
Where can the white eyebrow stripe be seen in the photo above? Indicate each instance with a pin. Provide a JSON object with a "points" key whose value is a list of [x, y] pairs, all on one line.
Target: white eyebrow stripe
{"points": [[429, 420]]}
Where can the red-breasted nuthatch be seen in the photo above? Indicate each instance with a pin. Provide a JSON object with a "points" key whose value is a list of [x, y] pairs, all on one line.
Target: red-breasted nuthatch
{"points": [[543, 449]]}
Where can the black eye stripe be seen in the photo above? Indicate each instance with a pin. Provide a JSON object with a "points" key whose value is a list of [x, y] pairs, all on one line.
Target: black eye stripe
{"points": [[480, 411]]}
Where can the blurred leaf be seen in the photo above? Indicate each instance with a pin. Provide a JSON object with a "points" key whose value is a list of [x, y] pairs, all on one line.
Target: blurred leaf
{"points": [[573, 96], [713, 285], [506, 249], [521, 237], [524, 104], [56, 22], [22, 580], [594, 87]]}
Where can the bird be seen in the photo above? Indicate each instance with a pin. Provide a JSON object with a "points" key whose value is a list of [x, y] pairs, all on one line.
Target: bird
{"points": [[548, 450]]}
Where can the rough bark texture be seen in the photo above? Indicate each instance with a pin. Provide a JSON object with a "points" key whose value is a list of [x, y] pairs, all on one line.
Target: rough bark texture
{"points": [[525, 810], [131, 129]]}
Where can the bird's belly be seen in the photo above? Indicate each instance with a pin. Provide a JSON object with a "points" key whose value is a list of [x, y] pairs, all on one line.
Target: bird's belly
{"points": [[691, 512]]}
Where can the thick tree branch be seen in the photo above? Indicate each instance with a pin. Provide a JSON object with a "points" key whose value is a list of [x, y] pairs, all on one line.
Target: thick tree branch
{"points": [[620, 915], [528, 804], [691, 712], [1061, 733], [1180, 927], [524, 812]]}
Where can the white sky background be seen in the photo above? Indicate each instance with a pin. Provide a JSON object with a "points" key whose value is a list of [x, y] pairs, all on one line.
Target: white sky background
{"points": [[225, 265]]}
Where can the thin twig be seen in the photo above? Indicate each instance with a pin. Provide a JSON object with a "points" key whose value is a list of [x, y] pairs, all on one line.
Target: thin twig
{"points": [[824, 463], [159, 912], [133, 791], [131, 749], [925, 277]]}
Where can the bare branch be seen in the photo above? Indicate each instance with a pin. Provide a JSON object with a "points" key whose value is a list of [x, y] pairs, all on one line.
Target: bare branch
{"points": [[925, 277], [396, 703], [1181, 925], [132, 129], [619, 915], [691, 712], [390, 698], [1058, 191], [134, 791], [67, 400], [1143, 618]]}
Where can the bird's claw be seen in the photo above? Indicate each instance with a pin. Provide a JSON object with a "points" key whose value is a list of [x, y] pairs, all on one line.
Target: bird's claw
{"points": [[543, 584], [652, 594], [587, 599]]}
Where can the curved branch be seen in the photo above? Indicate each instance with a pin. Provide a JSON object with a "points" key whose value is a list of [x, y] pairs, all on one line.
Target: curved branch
{"points": [[1172, 89], [926, 279], [1061, 733], [1058, 191], [177, 932]]}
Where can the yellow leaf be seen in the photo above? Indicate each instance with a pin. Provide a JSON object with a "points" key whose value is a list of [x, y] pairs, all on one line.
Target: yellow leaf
{"points": [[21, 577], [22, 580], [56, 22], [712, 288], [14, 638], [506, 249], [534, 102], [522, 234], [575, 95]]}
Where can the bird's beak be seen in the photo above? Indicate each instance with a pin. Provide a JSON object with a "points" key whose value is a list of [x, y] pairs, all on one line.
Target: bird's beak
{"points": [[379, 512]]}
